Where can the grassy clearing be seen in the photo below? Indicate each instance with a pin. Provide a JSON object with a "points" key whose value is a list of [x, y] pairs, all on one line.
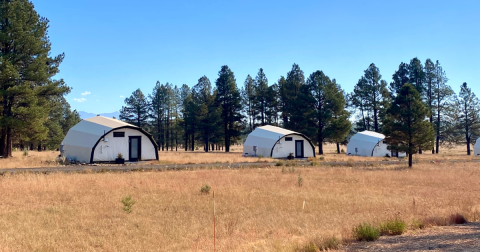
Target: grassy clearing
{"points": [[256, 209], [48, 158]]}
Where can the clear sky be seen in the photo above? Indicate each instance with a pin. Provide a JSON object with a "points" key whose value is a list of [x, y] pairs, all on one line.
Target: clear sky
{"points": [[114, 47]]}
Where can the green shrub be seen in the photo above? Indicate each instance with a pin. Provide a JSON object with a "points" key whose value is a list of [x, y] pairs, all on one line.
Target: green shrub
{"points": [[310, 247], [25, 152], [342, 151], [366, 232], [417, 224], [205, 189], [300, 181], [128, 204], [393, 227], [279, 163], [330, 243], [322, 158]]}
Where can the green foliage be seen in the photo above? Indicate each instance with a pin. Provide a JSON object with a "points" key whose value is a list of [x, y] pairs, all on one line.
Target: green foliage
{"points": [[128, 203], [27, 86], [228, 97], [366, 232], [300, 181], [405, 125], [393, 227], [205, 189], [329, 117], [135, 110], [468, 119], [310, 247], [120, 156]]}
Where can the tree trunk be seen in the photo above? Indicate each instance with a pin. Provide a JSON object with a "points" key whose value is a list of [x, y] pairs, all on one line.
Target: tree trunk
{"points": [[9, 142], [468, 146], [409, 160], [3, 139], [338, 148]]}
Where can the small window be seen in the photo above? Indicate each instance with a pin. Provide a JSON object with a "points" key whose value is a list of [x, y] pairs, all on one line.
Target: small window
{"points": [[118, 134], [288, 139]]}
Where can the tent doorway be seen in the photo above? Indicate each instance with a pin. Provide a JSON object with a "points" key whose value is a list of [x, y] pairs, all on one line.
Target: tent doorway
{"points": [[298, 148], [134, 148]]}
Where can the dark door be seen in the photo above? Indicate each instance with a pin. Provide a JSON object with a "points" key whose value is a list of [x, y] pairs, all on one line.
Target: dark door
{"points": [[299, 148], [134, 148]]}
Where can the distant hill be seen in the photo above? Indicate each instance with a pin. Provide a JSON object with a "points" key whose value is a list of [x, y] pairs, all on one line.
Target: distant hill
{"points": [[86, 115]]}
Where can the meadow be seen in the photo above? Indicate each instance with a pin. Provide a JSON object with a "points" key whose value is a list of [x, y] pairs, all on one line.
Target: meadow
{"points": [[268, 208], [257, 209]]}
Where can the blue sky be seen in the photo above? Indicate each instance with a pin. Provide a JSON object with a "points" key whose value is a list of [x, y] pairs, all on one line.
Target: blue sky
{"points": [[114, 47]]}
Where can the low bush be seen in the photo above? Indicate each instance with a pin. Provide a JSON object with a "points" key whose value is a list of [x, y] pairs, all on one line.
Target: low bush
{"points": [[279, 163], [393, 227], [457, 219], [417, 224], [205, 189], [127, 203], [300, 181], [435, 221], [366, 232], [322, 244]]}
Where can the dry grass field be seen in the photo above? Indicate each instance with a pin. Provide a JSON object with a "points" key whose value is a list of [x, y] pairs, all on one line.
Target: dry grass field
{"points": [[48, 158], [257, 209]]}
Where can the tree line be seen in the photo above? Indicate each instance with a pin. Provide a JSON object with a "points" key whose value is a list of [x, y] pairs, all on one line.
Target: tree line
{"points": [[213, 117], [33, 111]]}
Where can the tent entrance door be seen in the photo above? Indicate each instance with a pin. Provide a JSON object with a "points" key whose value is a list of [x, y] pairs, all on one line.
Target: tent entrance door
{"points": [[298, 148], [134, 148]]}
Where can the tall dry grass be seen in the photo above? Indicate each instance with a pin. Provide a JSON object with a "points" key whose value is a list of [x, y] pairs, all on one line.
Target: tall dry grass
{"points": [[48, 158], [256, 209]]}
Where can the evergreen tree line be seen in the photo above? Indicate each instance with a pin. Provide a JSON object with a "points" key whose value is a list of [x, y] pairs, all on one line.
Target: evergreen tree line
{"points": [[214, 117], [33, 111]]}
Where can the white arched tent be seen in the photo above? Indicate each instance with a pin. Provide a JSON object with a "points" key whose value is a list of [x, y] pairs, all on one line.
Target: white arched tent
{"points": [[276, 142], [476, 148], [369, 144], [101, 139]]}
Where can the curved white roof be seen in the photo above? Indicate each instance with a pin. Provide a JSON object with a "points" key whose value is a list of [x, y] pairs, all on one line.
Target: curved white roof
{"points": [[266, 136], [476, 148], [365, 142], [87, 132]]}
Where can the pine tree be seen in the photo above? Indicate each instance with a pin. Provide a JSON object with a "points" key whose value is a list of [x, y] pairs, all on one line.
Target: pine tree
{"points": [[185, 98], [326, 102], [293, 85], [135, 110], [228, 98], [156, 112], [371, 97], [260, 96], [405, 127], [468, 120], [443, 106], [248, 98], [400, 78], [340, 124], [26, 72], [208, 114]]}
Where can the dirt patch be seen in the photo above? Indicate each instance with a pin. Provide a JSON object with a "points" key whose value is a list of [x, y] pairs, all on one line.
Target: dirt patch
{"points": [[449, 238]]}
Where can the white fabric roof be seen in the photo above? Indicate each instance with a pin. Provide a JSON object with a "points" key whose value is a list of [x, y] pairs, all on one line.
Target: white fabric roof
{"points": [[87, 132], [364, 141], [476, 148], [266, 136]]}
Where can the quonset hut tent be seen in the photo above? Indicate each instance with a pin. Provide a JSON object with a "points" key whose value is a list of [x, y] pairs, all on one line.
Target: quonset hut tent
{"points": [[369, 144], [101, 139], [276, 142], [476, 148]]}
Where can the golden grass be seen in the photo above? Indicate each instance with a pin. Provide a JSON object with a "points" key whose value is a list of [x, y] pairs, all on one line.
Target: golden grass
{"points": [[256, 209], [48, 158]]}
